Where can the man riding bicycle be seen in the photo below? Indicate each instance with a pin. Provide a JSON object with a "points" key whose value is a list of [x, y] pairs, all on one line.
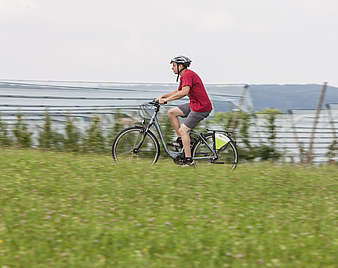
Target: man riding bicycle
{"points": [[199, 107]]}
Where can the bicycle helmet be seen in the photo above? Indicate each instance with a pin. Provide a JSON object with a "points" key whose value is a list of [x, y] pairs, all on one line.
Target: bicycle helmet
{"points": [[184, 61]]}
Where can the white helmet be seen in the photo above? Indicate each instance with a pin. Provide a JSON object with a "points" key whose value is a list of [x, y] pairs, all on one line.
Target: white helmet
{"points": [[185, 61]]}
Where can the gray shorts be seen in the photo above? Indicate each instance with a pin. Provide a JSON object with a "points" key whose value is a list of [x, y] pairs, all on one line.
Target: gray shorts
{"points": [[192, 118]]}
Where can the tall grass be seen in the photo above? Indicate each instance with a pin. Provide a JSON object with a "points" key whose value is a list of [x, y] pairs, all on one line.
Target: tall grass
{"points": [[69, 210]]}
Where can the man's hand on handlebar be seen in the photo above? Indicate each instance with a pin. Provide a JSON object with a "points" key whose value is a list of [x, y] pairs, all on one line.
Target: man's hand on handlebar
{"points": [[161, 100]]}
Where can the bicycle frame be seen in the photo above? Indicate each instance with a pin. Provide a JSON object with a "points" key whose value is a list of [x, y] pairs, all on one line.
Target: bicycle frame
{"points": [[154, 121]]}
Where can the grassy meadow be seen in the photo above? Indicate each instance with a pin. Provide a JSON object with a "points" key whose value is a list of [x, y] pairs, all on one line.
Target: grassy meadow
{"points": [[73, 210]]}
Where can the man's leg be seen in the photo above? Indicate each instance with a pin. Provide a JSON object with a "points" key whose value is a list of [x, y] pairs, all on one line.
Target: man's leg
{"points": [[173, 115], [192, 120], [184, 134]]}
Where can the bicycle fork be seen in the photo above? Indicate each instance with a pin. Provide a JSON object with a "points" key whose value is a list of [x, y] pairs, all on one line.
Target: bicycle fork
{"points": [[144, 134]]}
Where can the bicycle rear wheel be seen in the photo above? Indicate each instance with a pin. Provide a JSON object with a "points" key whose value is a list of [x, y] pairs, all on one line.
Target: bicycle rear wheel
{"points": [[227, 155], [132, 144]]}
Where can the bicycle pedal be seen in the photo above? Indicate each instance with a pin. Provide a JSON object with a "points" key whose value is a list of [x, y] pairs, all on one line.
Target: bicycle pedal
{"points": [[218, 162]]}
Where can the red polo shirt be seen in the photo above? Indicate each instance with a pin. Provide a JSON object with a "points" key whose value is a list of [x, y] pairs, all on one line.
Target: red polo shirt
{"points": [[199, 100]]}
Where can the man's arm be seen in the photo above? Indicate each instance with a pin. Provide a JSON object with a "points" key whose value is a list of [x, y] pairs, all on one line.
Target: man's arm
{"points": [[178, 94], [168, 94], [160, 98]]}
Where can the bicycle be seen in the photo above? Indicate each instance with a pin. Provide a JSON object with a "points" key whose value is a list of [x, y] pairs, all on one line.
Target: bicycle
{"points": [[139, 142]]}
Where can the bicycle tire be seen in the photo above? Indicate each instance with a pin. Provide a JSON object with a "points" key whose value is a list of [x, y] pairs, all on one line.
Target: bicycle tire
{"points": [[127, 140], [227, 155]]}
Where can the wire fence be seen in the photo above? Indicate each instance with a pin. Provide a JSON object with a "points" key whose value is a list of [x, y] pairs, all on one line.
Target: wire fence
{"points": [[294, 132]]}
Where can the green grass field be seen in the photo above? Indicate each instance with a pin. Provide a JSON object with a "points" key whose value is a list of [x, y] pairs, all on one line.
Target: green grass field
{"points": [[69, 210]]}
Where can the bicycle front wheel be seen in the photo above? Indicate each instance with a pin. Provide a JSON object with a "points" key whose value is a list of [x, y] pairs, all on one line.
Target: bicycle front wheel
{"points": [[133, 144], [227, 155]]}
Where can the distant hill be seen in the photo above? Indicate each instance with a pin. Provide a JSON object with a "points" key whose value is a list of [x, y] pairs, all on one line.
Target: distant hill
{"points": [[284, 97]]}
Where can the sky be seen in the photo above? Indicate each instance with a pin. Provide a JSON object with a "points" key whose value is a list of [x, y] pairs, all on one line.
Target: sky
{"points": [[241, 41]]}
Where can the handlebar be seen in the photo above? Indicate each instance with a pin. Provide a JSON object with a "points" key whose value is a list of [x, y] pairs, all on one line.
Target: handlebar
{"points": [[156, 103], [145, 108]]}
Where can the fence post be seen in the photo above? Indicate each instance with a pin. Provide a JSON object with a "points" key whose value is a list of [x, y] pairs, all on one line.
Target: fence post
{"points": [[299, 144], [321, 99], [235, 116]]}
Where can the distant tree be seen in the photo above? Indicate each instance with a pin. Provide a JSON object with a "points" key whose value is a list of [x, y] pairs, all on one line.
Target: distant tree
{"points": [[240, 131], [47, 137], [269, 151], [332, 151], [241, 128], [94, 140], [5, 140], [244, 125], [23, 137], [72, 136], [223, 119], [247, 151], [270, 115], [116, 128], [167, 129]]}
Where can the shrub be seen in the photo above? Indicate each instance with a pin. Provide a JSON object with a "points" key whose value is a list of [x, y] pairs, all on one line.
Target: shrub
{"points": [[269, 151], [167, 129], [333, 151], [116, 128], [94, 140], [23, 137], [5, 140], [224, 119], [72, 136], [49, 138]]}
